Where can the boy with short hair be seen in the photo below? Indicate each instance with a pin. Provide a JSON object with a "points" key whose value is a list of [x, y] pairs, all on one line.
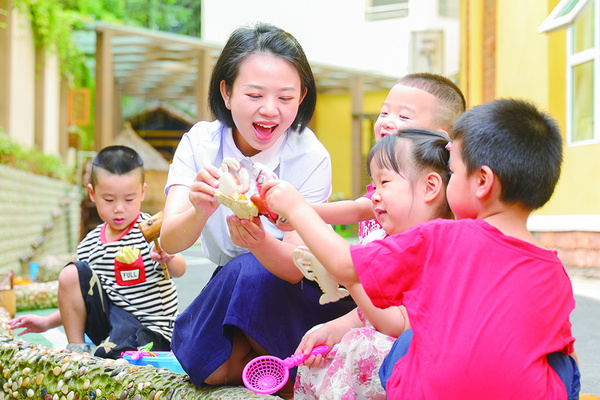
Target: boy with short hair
{"points": [[418, 100], [488, 305], [120, 305]]}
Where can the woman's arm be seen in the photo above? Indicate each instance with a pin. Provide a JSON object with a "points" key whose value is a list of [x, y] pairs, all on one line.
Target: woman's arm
{"points": [[187, 209], [177, 266]]}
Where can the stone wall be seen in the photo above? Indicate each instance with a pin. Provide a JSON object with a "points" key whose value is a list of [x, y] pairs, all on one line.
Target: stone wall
{"points": [[38, 216], [578, 251]]}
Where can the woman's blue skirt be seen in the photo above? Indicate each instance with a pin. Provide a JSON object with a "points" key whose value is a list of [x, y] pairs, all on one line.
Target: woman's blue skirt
{"points": [[243, 294]]}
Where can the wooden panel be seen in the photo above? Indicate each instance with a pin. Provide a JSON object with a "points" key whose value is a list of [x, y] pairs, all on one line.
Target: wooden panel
{"points": [[104, 113], [357, 158], [489, 51]]}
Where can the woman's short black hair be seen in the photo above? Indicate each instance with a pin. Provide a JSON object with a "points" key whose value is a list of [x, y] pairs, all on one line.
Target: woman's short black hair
{"points": [[261, 38]]}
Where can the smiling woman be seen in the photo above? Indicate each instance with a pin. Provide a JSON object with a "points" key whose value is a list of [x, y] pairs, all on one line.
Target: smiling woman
{"points": [[263, 94]]}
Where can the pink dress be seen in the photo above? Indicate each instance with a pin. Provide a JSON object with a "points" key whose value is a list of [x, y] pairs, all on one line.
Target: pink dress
{"points": [[351, 369]]}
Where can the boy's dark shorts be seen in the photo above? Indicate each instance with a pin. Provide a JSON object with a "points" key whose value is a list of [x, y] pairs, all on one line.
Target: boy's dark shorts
{"points": [[112, 329]]}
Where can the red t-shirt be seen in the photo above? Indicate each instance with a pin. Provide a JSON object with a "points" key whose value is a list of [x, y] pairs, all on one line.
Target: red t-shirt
{"points": [[485, 309]]}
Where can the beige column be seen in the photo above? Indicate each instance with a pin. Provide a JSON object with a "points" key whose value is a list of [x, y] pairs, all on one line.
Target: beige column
{"points": [[104, 114], [356, 92], [5, 50], [63, 123], [202, 81], [118, 114], [40, 98]]}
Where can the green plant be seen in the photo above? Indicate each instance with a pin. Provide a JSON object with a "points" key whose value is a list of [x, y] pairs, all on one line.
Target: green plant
{"points": [[18, 156]]}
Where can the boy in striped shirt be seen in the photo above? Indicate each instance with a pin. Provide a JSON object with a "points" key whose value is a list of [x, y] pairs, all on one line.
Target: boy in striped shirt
{"points": [[120, 306]]}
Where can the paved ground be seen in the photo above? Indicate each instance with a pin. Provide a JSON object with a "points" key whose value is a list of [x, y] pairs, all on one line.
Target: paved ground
{"points": [[586, 329], [585, 318]]}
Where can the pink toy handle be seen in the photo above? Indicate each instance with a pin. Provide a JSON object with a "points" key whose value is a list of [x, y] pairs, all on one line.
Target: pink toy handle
{"points": [[136, 355], [298, 358]]}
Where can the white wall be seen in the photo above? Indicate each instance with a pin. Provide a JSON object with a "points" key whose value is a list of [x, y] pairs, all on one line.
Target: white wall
{"points": [[22, 82], [22, 89], [336, 32], [52, 105]]}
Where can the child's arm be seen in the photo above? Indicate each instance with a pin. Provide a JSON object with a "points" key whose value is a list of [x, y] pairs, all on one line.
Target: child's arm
{"points": [[391, 321], [176, 263], [345, 212], [332, 250], [187, 209], [36, 323]]}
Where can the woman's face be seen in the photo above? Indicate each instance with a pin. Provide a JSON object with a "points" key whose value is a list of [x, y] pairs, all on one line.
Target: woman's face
{"points": [[264, 101]]}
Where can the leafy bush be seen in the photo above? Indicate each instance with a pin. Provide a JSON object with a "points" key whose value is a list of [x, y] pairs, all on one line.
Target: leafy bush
{"points": [[18, 156]]}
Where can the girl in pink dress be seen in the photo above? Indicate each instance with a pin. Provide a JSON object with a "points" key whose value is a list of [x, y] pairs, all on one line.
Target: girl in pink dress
{"points": [[409, 173]]}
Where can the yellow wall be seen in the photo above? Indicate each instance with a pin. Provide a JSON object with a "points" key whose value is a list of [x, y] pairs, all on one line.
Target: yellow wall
{"points": [[333, 127], [521, 52], [578, 190], [471, 36], [532, 65]]}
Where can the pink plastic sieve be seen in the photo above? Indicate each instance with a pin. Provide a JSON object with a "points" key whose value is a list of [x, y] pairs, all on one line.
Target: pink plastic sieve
{"points": [[268, 374]]}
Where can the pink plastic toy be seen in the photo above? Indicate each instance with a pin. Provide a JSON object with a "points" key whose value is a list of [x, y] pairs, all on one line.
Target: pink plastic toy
{"points": [[268, 374]]}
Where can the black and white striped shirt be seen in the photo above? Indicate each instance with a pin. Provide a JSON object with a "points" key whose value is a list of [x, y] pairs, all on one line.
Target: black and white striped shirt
{"points": [[153, 302]]}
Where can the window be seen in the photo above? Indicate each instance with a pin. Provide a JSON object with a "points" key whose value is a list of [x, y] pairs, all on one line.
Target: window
{"points": [[581, 19], [384, 9], [448, 8]]}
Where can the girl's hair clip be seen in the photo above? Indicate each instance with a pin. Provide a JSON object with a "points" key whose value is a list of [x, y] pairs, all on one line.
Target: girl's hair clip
{"points": [[448, 145]]}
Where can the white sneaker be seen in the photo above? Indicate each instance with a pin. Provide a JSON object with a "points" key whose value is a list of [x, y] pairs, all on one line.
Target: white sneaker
{"points": [[80, 348]]}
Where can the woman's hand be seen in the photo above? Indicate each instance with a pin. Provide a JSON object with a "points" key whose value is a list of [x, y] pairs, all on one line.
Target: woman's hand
{"points": [[202, 191], [246, 233]]}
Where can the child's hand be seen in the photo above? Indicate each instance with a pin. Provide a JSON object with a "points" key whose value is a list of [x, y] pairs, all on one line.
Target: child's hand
{"points": [[32, 324], [202, 191], [284, 226], [322, 335], [246, 233], [282, 198], [161, 257]]}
